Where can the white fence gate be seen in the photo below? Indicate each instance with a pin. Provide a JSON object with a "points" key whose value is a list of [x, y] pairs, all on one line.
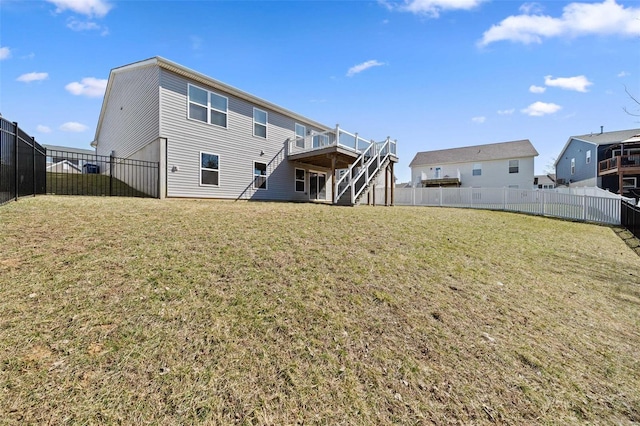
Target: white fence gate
{"points": [[582, 204]]}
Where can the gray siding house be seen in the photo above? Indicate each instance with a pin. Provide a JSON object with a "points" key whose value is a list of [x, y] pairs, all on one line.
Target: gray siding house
{"points": [[215, 141], [586, 160], [496, 165]]}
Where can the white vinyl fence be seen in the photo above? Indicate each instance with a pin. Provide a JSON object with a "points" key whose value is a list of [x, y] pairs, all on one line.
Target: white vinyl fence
{"points": [[582, 204]]}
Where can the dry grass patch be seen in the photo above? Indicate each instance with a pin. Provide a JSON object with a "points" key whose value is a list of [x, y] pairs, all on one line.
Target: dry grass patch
{"points": [[181, 311]]}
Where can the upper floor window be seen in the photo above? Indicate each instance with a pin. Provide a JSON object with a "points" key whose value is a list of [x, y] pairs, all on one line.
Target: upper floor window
{"points": [[514, 166], [588, 156], [477, 169], [573, 166], [301, 132], [207, 107], [259, 123]]}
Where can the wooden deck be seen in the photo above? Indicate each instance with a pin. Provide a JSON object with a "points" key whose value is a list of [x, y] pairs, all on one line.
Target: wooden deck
{"points": [[429, 183]]}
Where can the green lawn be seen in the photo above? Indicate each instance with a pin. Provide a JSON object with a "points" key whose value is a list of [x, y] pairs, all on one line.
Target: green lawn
{"points": [[89, 184], [143, 311]]}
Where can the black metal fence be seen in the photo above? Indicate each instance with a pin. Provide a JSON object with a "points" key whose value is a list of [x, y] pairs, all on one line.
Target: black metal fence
{"points": [[72, 173], [22, 163], [630, 218]]}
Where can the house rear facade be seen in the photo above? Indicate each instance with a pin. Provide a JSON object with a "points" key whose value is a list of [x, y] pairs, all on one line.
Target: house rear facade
{"points": [[497, 165], [215, 141]]}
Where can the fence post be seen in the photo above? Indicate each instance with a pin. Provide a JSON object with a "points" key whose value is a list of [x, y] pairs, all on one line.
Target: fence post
{"points": [[33, 153], [440, 188], [542, 200], [111, 174], [504, 198], [15, 159], [584, 207]]}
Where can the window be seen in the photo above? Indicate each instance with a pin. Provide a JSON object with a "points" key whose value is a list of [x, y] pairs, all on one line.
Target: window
{"points": [[259, 175], [588, 156], [573, 166], [629, 182], [259, 123], [514, 166], [300, 179], [301, 132], [207, 107], [477, 169], [209, 169]]}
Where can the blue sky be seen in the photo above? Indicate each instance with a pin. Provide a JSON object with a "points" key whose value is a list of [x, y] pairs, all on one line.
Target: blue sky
{"points": [[433, 74]]}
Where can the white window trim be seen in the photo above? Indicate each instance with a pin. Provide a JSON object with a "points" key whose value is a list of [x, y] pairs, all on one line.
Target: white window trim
{"points": [[295, 133], [474, 168], [588, 156], [208, 107], [573, 166], [509, 166], [296, 180], [266, 130], [266, 176], [200, 169], [635, 182]]}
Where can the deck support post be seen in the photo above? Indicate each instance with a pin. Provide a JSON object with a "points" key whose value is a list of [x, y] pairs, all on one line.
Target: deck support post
{"points": [[393, 180], [333, 177]]}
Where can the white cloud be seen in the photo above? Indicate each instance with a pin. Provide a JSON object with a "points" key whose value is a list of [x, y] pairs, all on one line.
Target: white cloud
{"points": [[77, 25], [623, 74], [88, 86], [577, 19], [432, 8], [506, 111], [73, 126], [90, 8], [33, 76], [363, 66], [538, 109], [5, 53], [578, 83], [43, 129], [479, 120], [537, 89]]}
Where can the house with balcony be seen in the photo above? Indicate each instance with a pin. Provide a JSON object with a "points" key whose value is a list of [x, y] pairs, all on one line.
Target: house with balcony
{"points": [[213, 140], [607, 160], [496, 165]]}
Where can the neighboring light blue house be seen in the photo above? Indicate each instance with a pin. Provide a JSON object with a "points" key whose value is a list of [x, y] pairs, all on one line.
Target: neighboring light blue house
{"points": [[585, 160], [215, 141]]}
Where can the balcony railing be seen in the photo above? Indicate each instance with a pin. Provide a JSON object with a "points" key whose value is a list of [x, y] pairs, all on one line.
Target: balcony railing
{"points": [[333, 138], [619, 162]]}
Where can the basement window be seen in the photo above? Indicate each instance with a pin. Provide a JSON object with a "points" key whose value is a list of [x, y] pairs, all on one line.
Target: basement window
{"points": [[300, 179], [259, 175], [629, 182], [209, 169]]}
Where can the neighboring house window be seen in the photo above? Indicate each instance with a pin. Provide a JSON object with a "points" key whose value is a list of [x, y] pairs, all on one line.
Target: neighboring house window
{"points": [[514, 166], [209, 169], [300, 179], [207, 107], [573, 166], [301, 132], [588, 156], [259, 175], [259, 123], [477, 169], [629, 182]]}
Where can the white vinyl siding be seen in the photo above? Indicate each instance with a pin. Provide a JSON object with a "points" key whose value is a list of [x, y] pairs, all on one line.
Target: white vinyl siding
{"points": [[187, 138]]}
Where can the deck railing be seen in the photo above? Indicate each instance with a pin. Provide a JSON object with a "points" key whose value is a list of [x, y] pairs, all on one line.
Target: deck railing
{"points": [[619, 162], [336, 137]]}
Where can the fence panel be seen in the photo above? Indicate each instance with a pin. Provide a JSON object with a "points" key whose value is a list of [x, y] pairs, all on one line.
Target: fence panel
{"points": [[560, 204], [22, 163], [72, 173], [630, 218]]}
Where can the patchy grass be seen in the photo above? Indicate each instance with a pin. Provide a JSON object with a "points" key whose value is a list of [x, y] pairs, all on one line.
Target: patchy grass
{"points": [[138, 311]]}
